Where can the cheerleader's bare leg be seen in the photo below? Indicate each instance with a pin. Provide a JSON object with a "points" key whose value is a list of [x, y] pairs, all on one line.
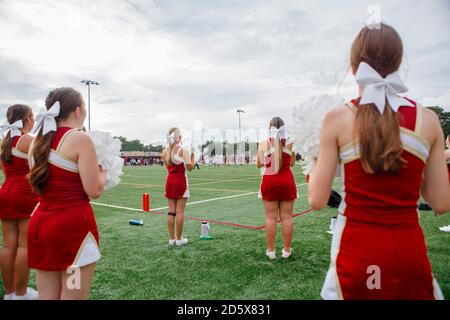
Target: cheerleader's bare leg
{"points": [[181, 205], [57, 285], [48, 284], [271, 208], [9, 250], [171, 218], [286, 211], [21, 270]]}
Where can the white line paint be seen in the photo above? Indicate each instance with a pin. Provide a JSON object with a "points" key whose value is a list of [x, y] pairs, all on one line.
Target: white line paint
{"points": [[188, 204], [116, 207]]}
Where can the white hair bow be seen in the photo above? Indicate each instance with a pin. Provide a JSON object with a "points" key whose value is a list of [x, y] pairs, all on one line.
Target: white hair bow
{"points": [[377, 89], [46, 120], [12, 128], [274, 132], [171, 138]]}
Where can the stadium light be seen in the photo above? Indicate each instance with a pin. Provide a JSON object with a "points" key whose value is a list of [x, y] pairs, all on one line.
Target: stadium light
{"points": [[88, 83]]}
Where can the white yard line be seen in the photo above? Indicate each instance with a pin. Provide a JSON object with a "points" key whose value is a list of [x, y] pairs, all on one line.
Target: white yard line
{"points": [[116, 207], [188, 204]]}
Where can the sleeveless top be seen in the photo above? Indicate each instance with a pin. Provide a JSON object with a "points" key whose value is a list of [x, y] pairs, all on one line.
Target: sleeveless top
{"points": [[383, 197]]}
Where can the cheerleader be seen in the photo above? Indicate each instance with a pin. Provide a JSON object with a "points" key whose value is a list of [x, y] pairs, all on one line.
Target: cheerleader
{"points": [[447, 158], [62, 236], [390, 152], [278, 189], [447, 154], [176, 159], [17, 202]]}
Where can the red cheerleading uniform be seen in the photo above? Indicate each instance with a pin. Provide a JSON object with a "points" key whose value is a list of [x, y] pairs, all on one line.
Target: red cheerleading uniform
{"points": [[17, 200], [177, 182], [62, 231], [278, 186], [377, 234]]}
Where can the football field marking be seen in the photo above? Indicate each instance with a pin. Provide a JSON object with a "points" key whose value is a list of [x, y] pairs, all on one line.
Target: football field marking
{"points": [[191, 187], [187, 204]]}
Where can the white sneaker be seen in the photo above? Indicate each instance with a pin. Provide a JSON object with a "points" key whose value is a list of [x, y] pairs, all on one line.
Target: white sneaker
{"points": [[172, 242], [271, 254], [30, 295], [181, 242], [286, 254], [445, 228], [9, 296]]}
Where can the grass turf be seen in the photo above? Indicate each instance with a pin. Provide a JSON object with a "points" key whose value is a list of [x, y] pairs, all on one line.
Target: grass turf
{"points": [[137, 262]]}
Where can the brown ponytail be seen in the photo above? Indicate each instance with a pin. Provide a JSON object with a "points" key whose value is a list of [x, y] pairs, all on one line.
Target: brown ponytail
{"points": [[69, 99], [378, 134], [14, 113]]}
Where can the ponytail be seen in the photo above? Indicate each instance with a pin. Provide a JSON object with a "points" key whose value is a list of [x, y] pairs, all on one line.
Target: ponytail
{"points": [[379, 139], [69, 100], [14, 113], [378, 134], [173, 137], [168, 153], [277, 155], [6, 148], [41, 151]]}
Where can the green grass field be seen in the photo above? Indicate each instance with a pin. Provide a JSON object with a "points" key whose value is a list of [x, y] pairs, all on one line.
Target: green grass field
{"points": [[138, 263]]}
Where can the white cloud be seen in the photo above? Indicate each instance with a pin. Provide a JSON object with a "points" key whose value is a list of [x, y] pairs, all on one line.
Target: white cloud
{"points": [[442, 101], [171, 63]]}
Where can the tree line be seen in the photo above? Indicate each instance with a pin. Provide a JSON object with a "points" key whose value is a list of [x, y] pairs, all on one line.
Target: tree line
{"points": [[137, 145]]}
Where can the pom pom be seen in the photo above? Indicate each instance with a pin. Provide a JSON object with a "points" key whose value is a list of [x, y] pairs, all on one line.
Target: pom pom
{"points": [[308, 118], [107, 149], [181, 155]]}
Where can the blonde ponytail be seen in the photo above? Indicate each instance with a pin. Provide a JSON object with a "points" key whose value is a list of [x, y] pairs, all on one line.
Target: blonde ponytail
{"points": [[277, 154]]}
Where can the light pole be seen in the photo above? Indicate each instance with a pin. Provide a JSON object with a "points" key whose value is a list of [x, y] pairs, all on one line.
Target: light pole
{"points": [[239, 111], [89, 83]]}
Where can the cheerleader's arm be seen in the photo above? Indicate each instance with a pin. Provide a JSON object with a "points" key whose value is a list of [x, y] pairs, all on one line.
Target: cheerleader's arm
{"points": [[290, 147], [447, 155], [436, 187], [92, 176], [163, 158], [260, 154], [191, 163], [322, 175]]}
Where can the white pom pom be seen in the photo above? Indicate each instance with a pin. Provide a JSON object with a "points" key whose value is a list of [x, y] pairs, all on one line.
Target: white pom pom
{"points": [[308, 119], [108, 155]]}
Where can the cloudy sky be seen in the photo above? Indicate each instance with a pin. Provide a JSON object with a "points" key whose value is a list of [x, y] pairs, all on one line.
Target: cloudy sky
{"points": [[187, 63]]}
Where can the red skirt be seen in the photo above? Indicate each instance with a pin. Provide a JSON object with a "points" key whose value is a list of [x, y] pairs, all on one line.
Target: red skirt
{"points": [[279, 187], [176, 186], [17, 200], [380, 262], [57, 234]]}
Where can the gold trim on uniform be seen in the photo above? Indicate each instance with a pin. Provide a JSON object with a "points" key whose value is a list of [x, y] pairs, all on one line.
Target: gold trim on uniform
{"points": [[64, 138], [62, 167]]}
